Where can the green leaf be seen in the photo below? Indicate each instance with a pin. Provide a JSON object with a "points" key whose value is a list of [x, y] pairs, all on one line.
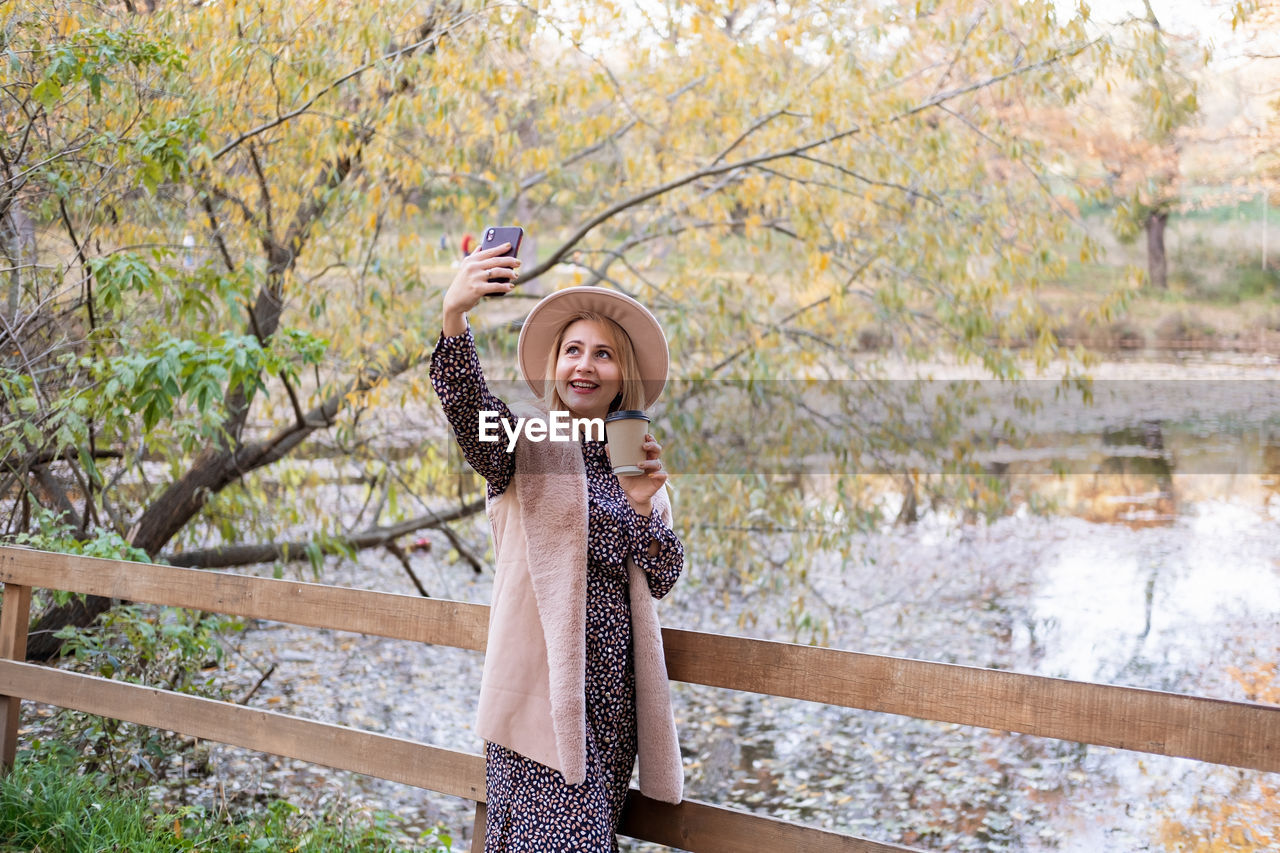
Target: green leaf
{"points": [[47, 92]]}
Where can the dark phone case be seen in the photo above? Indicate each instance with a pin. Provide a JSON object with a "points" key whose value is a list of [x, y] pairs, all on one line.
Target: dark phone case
{"points": [[496, 236]]}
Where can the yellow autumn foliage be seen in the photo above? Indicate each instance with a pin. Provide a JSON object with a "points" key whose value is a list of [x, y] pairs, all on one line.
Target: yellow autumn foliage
{"points": [[782, 183]]}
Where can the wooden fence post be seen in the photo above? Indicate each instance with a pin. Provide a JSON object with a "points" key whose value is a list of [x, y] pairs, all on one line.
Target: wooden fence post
{"points": [[477, 829], [15, 617]]}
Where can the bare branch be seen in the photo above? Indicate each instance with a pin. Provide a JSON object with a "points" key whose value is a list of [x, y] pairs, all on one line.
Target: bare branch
{"points": [[49, 456], [477, 565], [350, 75], [750, 130], [301, 419], [256, 455], [264, 189], [779, 326], [535, 178], [228, 556], [216, 230], [84, 263], [795, 151], [911, 191], [400, 554]]}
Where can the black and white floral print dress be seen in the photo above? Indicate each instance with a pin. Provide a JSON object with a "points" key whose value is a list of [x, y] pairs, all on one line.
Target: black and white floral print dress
{"points": [[530, 806]]}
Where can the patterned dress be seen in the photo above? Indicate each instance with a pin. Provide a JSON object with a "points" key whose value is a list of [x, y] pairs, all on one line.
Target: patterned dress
{"points": [[530, 806]]}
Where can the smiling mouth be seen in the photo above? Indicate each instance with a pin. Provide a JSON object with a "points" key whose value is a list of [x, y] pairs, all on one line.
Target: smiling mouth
{"points": [[583, 386]]}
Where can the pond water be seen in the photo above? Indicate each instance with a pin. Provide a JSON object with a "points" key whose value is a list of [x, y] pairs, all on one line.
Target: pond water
{"points": [[1157, 566], [1168, 608], [1154, 563]]}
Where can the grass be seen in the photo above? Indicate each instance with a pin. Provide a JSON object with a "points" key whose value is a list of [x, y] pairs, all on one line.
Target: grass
{"points": [[49, 807], [1218, 294]]}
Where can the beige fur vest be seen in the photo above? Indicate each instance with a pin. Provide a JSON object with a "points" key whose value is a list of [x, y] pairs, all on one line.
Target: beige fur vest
{"points": [[533, 691]]}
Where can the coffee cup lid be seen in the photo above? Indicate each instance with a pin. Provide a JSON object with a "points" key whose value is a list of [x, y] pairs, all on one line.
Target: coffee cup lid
{"points": [[625, 414]]}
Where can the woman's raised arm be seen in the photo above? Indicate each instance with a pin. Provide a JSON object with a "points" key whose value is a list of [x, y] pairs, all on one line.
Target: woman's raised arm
{"points": [[455, 367]]}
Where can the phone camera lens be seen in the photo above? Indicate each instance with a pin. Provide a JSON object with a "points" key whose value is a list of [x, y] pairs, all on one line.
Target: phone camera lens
{"points": [[489, 236]]}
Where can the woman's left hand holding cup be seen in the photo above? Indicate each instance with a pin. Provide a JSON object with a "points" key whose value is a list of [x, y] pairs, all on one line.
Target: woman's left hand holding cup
{"points": [[641, 488]]}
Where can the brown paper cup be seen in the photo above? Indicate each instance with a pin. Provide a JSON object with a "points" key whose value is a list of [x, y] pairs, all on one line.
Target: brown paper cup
{"points": [[625, 431]]}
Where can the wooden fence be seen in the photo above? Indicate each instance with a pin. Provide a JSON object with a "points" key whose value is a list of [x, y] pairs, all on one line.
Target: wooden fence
{"points": [[1240, 734]]}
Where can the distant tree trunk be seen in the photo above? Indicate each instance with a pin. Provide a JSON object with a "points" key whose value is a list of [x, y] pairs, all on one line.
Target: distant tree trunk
{"points": [[1157, 261], [909, 512], [17, 249]]}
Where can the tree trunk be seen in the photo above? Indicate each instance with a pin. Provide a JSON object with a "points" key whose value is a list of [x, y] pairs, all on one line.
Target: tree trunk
{"points": [[226, 459], [17, 249], [1157, 261], [211, 472]]}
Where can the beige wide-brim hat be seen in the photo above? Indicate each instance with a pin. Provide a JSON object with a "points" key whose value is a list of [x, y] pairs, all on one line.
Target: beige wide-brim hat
{"points": [[538, 334]]}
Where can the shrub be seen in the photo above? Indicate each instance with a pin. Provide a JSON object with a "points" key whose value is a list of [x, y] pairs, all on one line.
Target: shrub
{"points": [[49, 805]]}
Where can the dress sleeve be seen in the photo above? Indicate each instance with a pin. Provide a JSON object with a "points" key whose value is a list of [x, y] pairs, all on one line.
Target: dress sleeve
{"points": [[456, 375], [662, 569]]}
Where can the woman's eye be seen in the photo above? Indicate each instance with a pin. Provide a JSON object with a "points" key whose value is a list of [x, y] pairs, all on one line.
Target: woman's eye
{"points": [[604, 353], [570, 350]]}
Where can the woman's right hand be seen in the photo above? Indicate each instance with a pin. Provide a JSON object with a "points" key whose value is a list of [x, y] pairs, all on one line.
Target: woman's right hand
{"points": [[472, 284]]}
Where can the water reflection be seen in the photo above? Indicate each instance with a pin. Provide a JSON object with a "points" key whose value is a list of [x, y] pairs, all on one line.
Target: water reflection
{"points": [[1143, 474], [1156, 568], [1270, 441], [1170, 606]]}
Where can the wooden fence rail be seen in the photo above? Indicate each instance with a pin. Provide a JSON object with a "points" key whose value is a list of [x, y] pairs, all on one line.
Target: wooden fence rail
{"points": [[1241, 734]]}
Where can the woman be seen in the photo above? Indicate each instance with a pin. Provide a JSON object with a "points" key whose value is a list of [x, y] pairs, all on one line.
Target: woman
{"points": [[574, 682]]}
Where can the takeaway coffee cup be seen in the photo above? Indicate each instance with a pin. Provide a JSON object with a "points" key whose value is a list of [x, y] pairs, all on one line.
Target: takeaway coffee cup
{"points": [[625, 431]]}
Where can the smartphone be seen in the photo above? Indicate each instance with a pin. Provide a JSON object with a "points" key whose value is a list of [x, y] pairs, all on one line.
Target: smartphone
{"points": [[496, 235]]}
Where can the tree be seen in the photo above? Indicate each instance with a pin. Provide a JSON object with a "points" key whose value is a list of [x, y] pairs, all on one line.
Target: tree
{"points": [[1130, 150], [771, 179]]}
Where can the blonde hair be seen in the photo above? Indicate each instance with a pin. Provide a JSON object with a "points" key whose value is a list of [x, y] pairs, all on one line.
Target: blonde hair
{"points": [[632, 394]]}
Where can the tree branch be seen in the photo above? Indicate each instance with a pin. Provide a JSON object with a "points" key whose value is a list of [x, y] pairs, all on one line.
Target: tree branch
{"points": [[216, 468], [84, 262], [400, 554], [750, 130], [587, 151], [803, 309], [300, 418], [216, 231], [264, 189], [477, 565], [795, 151], [434, 36], [228, 556], [911, 191], [706, 172], [253, 456], [48, 456]]}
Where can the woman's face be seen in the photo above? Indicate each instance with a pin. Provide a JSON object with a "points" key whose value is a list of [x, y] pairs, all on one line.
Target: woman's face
{"points": [[588, 375]]}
